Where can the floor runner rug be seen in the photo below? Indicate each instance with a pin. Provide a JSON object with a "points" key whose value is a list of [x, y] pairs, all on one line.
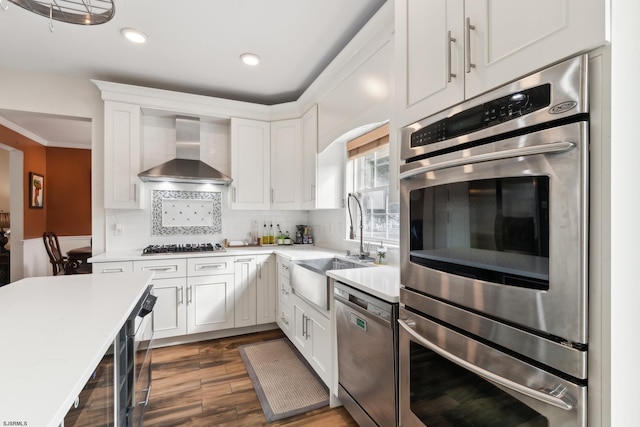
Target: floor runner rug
{"points": [[286, 385]]}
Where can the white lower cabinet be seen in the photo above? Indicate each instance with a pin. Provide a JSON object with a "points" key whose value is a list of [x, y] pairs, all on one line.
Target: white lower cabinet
{"points": [[210, 303], [312, 337], [283, 318], [245, 291], [169, 313], [266, 289], [204, 294]]}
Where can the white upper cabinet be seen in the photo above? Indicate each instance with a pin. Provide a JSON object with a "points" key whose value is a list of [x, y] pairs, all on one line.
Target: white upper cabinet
{"points": [[286, 164], [331, 177], [309, 157], [122, 151], [250, 164], [451, 50]]}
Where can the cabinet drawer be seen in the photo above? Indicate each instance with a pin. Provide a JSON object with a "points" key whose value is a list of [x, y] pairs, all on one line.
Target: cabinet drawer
{"points": [[163, 268], [210, 265], [283, 267], [112, 267]]}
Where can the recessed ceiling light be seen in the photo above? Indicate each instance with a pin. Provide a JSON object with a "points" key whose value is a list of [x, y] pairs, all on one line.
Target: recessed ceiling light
{"points": [[250, 58], [134, 36]]}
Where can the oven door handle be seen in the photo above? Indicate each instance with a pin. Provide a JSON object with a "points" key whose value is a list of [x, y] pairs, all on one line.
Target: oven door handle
{"points": [[535, 394], [553, 147]]}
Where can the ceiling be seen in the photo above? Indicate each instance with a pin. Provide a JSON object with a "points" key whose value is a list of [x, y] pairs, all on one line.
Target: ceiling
{"points": [[193, 46]]}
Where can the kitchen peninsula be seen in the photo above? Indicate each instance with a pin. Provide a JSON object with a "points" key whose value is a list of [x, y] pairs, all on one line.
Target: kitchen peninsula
{"points": [[54, 332]]}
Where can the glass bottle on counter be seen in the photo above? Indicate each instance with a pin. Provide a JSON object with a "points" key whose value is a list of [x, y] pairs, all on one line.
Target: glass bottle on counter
{"points": [[271, 237], [280, 236], [265, 234]]}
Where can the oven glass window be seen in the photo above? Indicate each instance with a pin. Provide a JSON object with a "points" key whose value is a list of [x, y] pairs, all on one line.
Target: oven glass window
{"points": [[444, 394], [493, 229]]}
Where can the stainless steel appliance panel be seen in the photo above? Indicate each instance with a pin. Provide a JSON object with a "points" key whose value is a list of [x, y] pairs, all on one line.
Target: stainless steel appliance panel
{"points": [[560, 310], [567, 97], [554, 354], [449, 379], [367, 353]]}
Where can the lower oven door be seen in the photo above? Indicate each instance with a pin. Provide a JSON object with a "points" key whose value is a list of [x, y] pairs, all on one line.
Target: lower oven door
{"points": [[450, 379]]}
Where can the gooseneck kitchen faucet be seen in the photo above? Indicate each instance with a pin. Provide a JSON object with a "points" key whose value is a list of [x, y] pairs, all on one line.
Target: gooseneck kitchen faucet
{"points": [[363, 254]]}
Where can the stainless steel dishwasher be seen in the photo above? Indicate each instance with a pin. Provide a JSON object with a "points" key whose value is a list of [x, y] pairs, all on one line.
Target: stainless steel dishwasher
{"points": [[367, 333]]}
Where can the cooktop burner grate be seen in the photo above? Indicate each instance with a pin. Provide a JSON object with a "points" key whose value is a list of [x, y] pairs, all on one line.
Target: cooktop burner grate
{"points": [[182, 248]]}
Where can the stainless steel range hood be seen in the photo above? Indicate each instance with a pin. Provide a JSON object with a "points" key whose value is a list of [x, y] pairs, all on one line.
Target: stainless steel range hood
{"points": [[187, 166]]}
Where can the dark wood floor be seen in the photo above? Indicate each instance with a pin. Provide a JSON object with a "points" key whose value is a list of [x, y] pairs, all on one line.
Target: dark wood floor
{"points": [[206, 384]]}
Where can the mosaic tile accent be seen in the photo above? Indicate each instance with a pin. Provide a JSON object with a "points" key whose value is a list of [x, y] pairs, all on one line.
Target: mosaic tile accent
{"points": [[186, 212]]}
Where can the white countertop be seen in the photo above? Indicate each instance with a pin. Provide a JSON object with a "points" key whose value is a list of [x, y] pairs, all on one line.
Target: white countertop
{"points": [[293, 251], [54, 331], [382, 281]]}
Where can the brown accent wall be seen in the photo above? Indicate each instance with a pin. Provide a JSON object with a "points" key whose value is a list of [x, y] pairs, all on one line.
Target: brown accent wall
{"points": [[68, 182]]}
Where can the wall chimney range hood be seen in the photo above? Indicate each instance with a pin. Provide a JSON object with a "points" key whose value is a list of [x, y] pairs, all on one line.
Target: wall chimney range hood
{"points": [[187, 166]]}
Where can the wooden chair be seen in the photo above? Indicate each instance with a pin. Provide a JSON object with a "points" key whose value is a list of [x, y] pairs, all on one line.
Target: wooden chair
{"points": [[58, 261]]}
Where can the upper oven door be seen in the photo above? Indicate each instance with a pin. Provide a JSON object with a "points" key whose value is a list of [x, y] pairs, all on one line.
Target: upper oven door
{"points": [[501, 229]]}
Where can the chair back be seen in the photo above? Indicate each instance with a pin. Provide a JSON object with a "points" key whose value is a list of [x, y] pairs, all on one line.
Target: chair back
{"points": [[53, 250]]}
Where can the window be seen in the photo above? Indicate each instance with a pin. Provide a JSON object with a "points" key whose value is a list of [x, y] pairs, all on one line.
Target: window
{"points": [[368, 179]]}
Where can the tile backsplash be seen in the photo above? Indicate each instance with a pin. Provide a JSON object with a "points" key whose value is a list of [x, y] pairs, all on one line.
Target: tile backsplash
{"points": [[134, 229], [186, 212]]}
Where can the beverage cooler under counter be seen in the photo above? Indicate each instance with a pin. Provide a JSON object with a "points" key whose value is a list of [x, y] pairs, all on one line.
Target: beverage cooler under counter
{"points": [[118, 390]]}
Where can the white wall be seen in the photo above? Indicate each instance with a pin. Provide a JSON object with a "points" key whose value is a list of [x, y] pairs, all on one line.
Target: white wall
{"points": [[625, 208], [62, 96]]}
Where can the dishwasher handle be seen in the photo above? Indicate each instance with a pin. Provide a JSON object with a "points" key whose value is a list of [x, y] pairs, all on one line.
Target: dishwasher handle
{"points": [[362, 311]]}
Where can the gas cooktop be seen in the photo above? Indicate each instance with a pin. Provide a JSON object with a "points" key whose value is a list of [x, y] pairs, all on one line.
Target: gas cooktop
{"points": [[182, 248]]}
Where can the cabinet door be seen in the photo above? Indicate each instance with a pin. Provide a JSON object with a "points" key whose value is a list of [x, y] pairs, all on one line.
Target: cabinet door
{"points": [[514, 38], [122, 136], [429, 54], [245, 291], [266, 289], [169, 313], [284, 320], [309, 155], [319, 350], [331, 177], [250, 164], [210, 303], [286, 164], [299, 325]]}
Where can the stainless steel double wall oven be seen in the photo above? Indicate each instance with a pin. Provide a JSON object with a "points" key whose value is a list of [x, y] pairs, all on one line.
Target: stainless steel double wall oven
{"points": [[494, 203]]}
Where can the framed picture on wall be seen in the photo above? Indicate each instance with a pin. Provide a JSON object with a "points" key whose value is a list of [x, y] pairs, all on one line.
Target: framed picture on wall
{"points": [[36, 190]]}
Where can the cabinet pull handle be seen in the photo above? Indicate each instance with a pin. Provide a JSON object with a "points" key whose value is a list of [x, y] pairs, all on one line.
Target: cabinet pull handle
{"points": [[162, 268], [135, 192], [313, 192], [189, 294], [260, 270], [113, 270], [304, 328], [180, 295], [209, 266], [307, 336], [233, 192], [244, 260], [449, 73], [272, 195], [467, 45]]}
